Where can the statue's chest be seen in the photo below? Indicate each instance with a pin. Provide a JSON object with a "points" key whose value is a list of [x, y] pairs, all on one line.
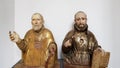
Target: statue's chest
{"points": [[81, 41], [38, 41]]}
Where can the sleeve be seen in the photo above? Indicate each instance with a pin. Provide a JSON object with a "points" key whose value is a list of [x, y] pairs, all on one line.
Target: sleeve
{"points": [[93, 44], [22, 43], [52, 50], [69, 35], [52, 55]]}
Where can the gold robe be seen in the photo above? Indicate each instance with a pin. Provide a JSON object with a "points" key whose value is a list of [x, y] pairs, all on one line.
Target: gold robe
{"points": [[35, 48]]}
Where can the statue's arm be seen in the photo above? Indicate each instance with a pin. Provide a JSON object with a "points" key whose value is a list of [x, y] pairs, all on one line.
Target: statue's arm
{"points": [[52, 58], [52, 50], [93, 43], [22, 43], [67, 43]]}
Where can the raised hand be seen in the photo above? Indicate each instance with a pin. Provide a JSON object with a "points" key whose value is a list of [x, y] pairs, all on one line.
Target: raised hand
{"points": [[14, 36], [67, 43]]}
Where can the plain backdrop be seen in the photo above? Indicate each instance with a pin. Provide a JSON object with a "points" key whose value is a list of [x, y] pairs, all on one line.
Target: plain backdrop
{"points": [[103, 21]]}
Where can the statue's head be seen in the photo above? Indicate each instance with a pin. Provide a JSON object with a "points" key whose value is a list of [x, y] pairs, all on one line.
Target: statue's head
{"points": [[80, 19], [37, 21]]}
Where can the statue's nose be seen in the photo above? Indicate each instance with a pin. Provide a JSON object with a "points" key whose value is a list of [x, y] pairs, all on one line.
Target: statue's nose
{"points": [[36, 22]]}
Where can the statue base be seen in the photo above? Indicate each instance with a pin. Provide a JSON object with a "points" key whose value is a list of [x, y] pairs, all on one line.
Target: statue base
{"points": [[21, 65], [74, 66]]}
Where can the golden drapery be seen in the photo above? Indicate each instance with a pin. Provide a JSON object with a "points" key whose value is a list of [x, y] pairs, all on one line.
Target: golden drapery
{"points": [[35, 51]]}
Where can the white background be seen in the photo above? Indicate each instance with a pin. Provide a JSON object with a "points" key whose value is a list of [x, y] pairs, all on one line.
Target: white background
{"points": [[103, 21]]}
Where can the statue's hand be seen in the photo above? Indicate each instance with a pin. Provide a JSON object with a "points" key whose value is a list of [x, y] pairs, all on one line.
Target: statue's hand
{"points": [[52, 48], [14, 36], [100, 50], [67, 43]]}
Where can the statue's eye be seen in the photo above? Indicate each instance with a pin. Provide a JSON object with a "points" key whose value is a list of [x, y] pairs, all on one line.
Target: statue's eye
{"points": [[83, 18], [78, 19]]}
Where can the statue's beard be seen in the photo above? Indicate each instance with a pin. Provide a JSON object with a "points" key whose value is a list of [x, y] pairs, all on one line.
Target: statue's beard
{"points": [[81, 28], [81, 25], [36, 27]]}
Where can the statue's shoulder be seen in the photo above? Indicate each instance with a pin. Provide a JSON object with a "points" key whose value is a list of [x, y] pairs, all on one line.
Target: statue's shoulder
{"points": [[29, 31], [47, 33], [90, 33], [46, 30], [70, 33]]}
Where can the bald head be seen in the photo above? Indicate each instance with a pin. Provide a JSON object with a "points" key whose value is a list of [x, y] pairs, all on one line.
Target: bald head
{"points": [[80, 13]]}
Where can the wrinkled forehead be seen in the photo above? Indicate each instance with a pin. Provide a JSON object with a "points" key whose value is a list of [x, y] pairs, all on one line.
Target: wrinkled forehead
{"points": [[80, 15], [37, 16]]}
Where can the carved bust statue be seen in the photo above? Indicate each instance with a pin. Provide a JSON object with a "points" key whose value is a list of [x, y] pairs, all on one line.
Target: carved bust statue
{"points": [[38, 47], [79, 44]]}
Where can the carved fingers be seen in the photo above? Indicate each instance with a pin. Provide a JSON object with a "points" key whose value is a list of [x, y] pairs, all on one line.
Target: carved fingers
{"points": [[14, 36], [67, 43], [52, 48], [100, 50]]}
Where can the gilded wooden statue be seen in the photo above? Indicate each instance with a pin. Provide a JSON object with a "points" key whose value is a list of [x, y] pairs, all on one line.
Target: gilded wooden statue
{"points": [[38, 47]]}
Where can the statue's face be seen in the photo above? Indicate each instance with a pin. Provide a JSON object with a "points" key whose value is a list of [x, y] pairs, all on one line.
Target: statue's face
{"points": [[37, 22], [81, 19]]}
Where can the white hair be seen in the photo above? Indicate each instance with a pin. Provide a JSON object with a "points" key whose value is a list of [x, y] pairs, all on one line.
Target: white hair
{"points": [[39, 15]]}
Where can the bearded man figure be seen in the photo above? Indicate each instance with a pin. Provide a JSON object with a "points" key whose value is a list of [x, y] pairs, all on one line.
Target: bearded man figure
{"points": [[79, 44], [38, 47]]}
